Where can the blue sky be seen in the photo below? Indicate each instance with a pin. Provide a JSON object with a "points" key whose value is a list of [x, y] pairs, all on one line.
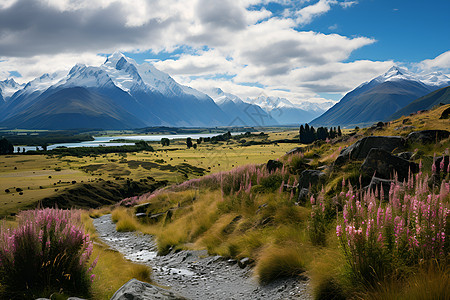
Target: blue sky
{"points": [[303, 50]]}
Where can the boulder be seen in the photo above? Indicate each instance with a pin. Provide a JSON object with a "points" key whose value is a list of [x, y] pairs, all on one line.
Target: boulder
{"points": [[295, 151], [428, 136], [384, 164], [405, 155], [361, 148], [380, 183], [142, 208], [310, 177], [272, 165], [138, 290], [244, 262], [438, 162], [445, 114], [303, 195]]}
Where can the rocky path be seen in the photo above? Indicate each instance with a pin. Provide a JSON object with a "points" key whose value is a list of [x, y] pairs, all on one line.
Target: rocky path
{"points": [[194, 274]]}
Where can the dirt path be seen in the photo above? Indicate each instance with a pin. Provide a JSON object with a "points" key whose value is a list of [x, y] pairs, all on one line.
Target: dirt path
{"points": [[194, 274]]}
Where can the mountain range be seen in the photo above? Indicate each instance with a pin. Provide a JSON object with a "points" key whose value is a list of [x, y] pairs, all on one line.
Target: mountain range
{"points": [[122, 94], [382, 98]]}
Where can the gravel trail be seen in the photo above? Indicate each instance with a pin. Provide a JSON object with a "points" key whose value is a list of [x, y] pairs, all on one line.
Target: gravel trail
{"points": [[194, 274]]}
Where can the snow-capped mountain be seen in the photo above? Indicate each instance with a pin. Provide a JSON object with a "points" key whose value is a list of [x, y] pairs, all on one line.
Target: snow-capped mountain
{"points": [[381, 97], [241, 113], [137, 91], [8, 87], [283, 111]]}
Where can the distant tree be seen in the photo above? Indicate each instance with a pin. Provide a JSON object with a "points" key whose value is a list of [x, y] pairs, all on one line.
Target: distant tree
{"points": [[23, 150], [199, 141], [195, 146], [189, 142], [165, 142], [18, 149], [6, 147], [44, 147], [339, 132]]}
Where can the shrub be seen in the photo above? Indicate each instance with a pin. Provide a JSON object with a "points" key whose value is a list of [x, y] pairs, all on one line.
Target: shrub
{"points": [[47, 252]]}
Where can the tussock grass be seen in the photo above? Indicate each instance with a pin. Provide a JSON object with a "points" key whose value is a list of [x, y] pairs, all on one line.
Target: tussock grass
{"points": [[424, 284], [124, 220], [276, 261], [113, 271]]}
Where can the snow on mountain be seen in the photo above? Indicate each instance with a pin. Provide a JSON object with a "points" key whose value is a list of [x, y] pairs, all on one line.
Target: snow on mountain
{"points": [[42, 83], [396, 73], [8, 87], [241, 113], [270, 103], [318, 107], [378, 99], [81, 75]]}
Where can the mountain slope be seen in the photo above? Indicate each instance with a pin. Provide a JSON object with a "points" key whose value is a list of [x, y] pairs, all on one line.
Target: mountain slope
{"points": [[240, 112], [283, 111], [424, 103], [150, 96], [73, 107], [378, 99]]}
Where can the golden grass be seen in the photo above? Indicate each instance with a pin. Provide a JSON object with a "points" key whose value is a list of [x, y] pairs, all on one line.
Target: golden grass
{"points": [[423, 285], [277, 261], [124, 219], [113, 271]]}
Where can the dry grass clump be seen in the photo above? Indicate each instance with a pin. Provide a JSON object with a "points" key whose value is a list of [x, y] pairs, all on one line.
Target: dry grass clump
{"points": [[124, 219], [424, 284], [113, 271], [277, 261]]}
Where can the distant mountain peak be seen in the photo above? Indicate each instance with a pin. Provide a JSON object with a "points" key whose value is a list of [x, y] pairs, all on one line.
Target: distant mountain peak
{"points": [[115, 57]]}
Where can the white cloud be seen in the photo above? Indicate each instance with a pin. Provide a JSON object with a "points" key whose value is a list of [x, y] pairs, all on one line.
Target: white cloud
{"points": [[34, 66], [248, 46], [441, 62], [306, 14]]}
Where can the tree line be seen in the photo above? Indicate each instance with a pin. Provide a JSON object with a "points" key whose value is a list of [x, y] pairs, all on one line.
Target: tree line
{"points": [[308, 134]]}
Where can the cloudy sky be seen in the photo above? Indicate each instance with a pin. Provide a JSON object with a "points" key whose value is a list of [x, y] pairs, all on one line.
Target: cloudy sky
{"points": [[302, 50]]}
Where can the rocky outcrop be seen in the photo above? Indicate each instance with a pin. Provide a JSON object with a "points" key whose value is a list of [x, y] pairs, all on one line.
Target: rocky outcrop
{"points": [[427, 136], [310, 178], [360, 149], [445, 114], [384, 165], [138, 290]]}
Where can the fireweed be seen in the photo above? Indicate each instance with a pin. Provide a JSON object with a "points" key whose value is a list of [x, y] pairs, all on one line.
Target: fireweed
{"points": [[379, 239], [47, 252], [233, 182]]}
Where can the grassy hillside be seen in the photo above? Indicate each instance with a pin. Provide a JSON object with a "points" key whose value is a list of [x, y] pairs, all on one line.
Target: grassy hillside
{"points": [[251, 212], [441, 96]]}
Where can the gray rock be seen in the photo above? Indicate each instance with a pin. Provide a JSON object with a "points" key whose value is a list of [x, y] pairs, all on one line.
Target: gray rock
{"points": [[438, 161], [427, 136], [445, 114], [244, 262], [361, 148], [138, 290], [141, 208], [405, 155], [303, 195], [310, 177], [384, 164], [295, 150], [272, 165], [380, 183]]}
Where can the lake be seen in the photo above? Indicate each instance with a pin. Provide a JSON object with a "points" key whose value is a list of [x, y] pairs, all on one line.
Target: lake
{"points": [[105, 140]]}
